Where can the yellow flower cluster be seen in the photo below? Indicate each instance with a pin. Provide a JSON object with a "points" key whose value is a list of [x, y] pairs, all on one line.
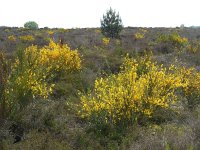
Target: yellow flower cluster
{"points": [[192, 90], [138, 35], [50, 32], [97, 31], [32, 72], [140, 88], [60, 58], [174, 38], [29, 83], [106, 41], [12, 38], [27, 38], [28, 78]]}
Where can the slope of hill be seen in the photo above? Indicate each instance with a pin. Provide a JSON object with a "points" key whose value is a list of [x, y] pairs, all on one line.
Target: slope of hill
{"points": [[55, 123]]}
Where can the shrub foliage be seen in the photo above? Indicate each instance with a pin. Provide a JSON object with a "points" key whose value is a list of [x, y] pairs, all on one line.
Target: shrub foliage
{"points": [[31, 25]]}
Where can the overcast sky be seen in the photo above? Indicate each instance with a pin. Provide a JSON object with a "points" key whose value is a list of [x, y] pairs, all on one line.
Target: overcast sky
{"points": [[87, 13]]}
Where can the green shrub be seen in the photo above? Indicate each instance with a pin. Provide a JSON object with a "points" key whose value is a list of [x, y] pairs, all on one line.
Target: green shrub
{"points": [[193, 47], [4, 73], [31, 25]]}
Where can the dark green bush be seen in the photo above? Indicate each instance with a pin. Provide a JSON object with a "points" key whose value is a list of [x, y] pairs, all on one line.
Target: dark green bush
{"points": [[31, 25]]}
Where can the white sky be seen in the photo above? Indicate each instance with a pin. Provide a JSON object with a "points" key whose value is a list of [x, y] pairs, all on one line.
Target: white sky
{"points": [[87, 13]]}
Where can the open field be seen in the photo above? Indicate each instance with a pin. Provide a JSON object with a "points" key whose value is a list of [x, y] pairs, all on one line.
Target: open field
{"points": [[138, 92]]}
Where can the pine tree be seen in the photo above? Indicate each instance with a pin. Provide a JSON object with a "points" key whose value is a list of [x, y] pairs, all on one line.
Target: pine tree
{"points": [[111, 24]]}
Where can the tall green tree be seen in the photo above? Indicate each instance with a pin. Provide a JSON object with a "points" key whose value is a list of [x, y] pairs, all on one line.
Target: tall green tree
{"points": [[111, 24]]}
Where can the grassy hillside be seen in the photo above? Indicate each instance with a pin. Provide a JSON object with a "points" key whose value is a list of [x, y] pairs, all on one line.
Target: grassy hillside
{"points": [[141, 91]]}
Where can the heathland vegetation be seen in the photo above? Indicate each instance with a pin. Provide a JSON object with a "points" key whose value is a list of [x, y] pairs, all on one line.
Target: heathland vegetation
{"points": [[132, 88]]}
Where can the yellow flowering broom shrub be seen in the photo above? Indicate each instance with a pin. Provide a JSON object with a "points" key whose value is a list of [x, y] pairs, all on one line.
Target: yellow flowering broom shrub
{"points": [[32, 73], [11, 38], [174, 39], [50, 32], [138, 35], [60, 58], [138, 89], [27, 38], [106, 41], [192, 90], [27, 80]]}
